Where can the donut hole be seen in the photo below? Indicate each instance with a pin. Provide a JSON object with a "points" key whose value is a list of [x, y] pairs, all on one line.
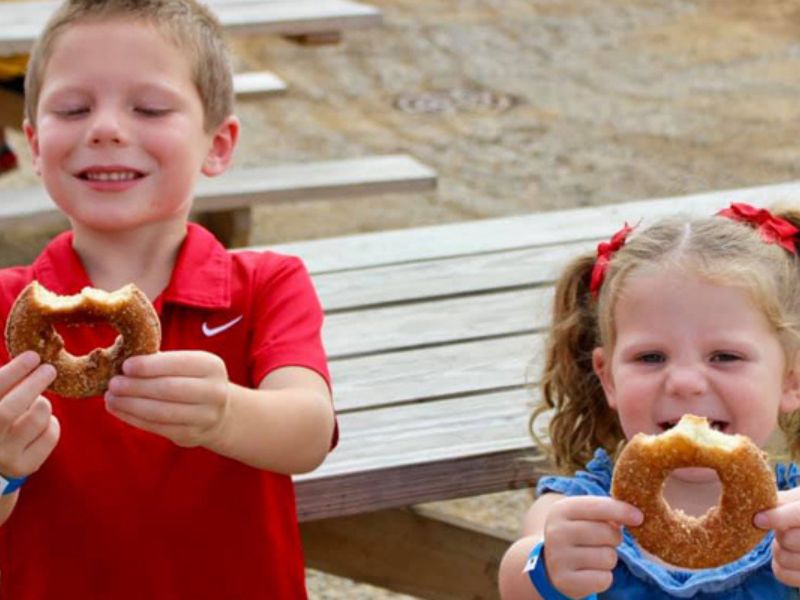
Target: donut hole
{"points": [[695, 475], [78, 345]]}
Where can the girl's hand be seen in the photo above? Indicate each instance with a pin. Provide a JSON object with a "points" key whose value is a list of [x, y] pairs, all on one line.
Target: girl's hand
{"points": [[28, 430], [581, 536], [785, 520], [181, 395]]}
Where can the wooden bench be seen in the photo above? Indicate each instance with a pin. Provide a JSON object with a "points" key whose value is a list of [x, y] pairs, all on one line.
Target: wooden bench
{"points": [[225, 203], [305, 20], [431, 334]]}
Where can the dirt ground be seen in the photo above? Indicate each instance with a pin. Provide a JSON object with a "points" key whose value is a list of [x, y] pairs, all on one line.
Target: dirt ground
{"points": [[522, 105]]}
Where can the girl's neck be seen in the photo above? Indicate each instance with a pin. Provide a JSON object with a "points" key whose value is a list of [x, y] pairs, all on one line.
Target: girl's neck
{"points": [[144, 256]]}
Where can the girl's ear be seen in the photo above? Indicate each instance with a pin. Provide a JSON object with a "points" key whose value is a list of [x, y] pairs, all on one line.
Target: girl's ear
{"points": [[33, 143], [223, 143], [790, 399], [601, 363]]}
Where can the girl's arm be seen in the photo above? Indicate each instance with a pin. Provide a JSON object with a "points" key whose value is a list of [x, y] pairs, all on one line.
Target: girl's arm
{"points": [[514, 584]]}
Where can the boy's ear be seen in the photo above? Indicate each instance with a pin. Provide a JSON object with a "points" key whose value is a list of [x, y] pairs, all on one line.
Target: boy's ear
{"points": [[33, 143], [223, 143], [790, 399], [601, 363]]}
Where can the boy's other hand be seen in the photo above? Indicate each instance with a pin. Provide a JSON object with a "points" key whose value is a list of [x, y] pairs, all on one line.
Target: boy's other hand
{"points": [[181, 395], [581, 536], [28, 429]]}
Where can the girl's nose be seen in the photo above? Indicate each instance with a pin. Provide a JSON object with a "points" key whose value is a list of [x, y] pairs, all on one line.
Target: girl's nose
{"points": [[685, 382]]}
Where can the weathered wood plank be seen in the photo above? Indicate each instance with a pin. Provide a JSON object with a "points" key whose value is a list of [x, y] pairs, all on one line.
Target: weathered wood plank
{"points": [[509, 233], [439, 372], [23, 21], [257, 83], [432, 431], [428, 280], [246, 187], [410, 326], [408, 551]]}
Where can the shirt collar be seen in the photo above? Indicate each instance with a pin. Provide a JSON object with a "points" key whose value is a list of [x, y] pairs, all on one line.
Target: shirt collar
{"points": [[201, 276]]}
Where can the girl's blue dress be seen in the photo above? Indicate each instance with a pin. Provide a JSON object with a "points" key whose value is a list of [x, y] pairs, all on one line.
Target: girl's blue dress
{"points": [[637, 578]]}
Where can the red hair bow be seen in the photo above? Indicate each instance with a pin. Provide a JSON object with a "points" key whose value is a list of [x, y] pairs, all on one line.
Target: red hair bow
{"points": [[773, 230], [605, 251]]}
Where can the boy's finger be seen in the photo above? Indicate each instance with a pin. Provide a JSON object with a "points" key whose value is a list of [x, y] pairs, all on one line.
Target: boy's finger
{"points": [[42, 446], [14, 403], [16, 369]]}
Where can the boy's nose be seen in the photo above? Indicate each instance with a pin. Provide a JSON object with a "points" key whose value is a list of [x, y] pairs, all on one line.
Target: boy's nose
{"points": [[105, 129]]}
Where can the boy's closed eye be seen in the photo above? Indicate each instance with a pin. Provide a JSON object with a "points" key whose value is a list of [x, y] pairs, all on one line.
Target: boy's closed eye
{"points": [[147, 111]]}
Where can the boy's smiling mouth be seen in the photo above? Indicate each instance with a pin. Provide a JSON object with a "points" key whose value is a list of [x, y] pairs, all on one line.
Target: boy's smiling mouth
{"points": [[109, 174]]}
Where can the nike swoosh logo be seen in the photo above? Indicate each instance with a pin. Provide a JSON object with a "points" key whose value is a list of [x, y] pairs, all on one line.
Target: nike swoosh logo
{"points": [[212, 331]]}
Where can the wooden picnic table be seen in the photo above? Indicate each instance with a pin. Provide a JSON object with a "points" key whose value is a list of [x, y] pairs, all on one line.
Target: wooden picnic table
{"points": [[434, 335], [320, 20]]}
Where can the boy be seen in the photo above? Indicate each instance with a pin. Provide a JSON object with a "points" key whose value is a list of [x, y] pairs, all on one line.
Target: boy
{"points": [[176, 483]]}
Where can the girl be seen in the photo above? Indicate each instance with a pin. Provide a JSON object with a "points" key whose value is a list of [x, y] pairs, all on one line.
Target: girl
{"points": [[701, 317]]}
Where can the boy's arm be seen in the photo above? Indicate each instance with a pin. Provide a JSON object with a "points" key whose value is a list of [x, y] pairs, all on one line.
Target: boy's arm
{"points": [[285, 425]]}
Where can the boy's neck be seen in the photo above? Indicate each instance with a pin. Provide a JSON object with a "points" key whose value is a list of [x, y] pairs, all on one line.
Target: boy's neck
{"points": [[145, 256]]}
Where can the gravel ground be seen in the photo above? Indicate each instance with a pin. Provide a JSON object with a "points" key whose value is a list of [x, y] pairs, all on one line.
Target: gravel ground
{"points": [[522, 105]]}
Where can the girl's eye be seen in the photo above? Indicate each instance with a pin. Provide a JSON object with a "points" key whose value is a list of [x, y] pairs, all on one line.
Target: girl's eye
{"points": [[725, 357], [651, 358]]}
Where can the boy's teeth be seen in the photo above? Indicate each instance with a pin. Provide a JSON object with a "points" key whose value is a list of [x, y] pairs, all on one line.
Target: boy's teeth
{"points": [[111, 176]]}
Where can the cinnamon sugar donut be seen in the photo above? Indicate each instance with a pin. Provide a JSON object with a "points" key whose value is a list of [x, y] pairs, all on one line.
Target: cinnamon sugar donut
{"points": [[725, 532], [36, 310]]}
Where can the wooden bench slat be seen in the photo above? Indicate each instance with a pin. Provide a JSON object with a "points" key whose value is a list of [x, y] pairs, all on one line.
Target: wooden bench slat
{"points": [[256, 83], [246, 187], [421, 433], [510, 233], [429, 280], [442, 371], [22, 21], [436, 322]]}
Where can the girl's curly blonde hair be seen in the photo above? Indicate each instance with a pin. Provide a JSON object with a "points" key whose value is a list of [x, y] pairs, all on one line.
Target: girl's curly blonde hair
{"points": [[718, 249]]}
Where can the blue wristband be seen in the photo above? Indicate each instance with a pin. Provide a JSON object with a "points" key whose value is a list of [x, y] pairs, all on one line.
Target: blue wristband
{"points": [[9, 485], [537, 571]]}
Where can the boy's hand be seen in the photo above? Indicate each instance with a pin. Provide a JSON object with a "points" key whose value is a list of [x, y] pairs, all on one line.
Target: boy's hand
{"points": [[785, 520], [181, 395], [581, 536], [28, 430]]}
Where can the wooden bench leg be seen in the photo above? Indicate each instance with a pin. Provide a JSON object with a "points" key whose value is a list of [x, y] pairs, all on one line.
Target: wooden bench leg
{"points": [[321, 38], [231, 227], [415, 551]]}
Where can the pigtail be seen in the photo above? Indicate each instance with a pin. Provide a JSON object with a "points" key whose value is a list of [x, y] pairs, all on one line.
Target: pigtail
{"points": [[580, 421], [790, 422]]}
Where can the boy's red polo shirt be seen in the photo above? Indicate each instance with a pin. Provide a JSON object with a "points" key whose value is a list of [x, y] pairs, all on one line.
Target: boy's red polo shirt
{"points": [[116, 512]]}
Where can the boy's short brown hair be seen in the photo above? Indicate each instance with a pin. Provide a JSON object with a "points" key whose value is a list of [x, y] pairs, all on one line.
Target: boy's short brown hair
{"points": [[191, 26]]}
